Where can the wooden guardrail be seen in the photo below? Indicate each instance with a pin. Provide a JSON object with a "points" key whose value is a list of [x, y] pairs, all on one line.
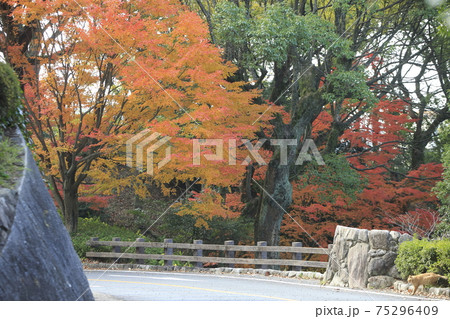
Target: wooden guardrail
{"points": [[197, 258]]}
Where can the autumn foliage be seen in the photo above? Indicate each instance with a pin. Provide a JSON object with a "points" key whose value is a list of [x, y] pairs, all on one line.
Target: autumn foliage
{"points": [[378, 197], [98, 72]]}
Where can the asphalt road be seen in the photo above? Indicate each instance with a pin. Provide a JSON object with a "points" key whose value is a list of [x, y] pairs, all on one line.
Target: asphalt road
{"points": [[165, 286]]}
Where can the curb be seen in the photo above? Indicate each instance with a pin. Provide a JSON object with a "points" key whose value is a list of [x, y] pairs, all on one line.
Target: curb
{"points": [[398, 286], [435, 291], [219, 270]]}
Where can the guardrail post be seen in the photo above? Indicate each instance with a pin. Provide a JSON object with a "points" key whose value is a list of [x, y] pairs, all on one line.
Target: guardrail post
{"points": [[93, 239], [262, 254], [116, 249], [168, 251], [229, 253], [140, 250], [198, 253], [297, 256]]}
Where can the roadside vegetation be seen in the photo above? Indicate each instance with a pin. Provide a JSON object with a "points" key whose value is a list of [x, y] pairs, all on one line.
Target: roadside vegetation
{"points": [[11, 114], [421, 256], [10, 162]]}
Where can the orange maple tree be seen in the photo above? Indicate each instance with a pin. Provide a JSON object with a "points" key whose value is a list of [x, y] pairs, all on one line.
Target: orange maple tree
{"points": [[97, 72]]}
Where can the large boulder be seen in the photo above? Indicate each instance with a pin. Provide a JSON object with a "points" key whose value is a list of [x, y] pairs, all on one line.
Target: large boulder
{"points": [[379, 239], [380, 282], [357, 265], [37, 259], [381, 265], [360, 258]]}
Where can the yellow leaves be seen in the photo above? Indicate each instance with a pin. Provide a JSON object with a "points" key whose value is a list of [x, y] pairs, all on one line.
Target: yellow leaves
{"points": [[204, 206], [154, 70], [201, 222]]}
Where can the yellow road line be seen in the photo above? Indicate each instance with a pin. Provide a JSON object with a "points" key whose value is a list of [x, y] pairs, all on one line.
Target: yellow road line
{"points": [[193, 288]]}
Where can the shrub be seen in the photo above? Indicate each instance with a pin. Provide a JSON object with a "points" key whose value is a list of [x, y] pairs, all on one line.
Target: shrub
{"points": [[421, 256], [10, 98], [442, 188], [93, 227], [183, 229]]}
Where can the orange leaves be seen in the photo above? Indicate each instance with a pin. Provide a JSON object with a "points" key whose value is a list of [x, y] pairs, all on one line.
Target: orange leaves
{"points": [[190, 27], [108, 70], [321, 124], [207, 204]]}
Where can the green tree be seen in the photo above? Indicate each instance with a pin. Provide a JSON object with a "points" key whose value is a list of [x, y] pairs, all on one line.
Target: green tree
{"points": [[11, 112], [443, 188]]}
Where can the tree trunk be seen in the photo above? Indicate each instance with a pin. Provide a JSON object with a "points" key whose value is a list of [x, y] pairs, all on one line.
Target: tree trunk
{"points": [[333, 138], [280, 81], [417, 153], [275, 199], [70, 208], [422, 137], [276, 195]]}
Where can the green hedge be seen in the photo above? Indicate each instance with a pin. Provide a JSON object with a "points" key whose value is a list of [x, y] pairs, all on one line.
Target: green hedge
{"points": [[421, 256], [11, 112]]}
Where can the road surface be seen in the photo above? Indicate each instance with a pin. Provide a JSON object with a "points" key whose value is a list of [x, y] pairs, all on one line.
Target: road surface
{"points": [[171, 286]]}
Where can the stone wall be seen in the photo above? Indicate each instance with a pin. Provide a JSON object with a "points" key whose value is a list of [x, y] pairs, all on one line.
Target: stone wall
{"points": [[361, 258], [37, 259]]}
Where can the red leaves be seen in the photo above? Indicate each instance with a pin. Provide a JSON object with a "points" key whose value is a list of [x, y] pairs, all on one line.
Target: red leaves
{"points": [[375, 140], [381, 133]]}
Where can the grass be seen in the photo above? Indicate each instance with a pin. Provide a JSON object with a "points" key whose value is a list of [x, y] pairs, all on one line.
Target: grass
{"points": [[93, 227], [9, 156]]}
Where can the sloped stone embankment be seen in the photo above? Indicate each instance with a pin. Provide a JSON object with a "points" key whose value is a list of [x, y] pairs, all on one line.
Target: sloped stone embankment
{"points": [[37, 259]]}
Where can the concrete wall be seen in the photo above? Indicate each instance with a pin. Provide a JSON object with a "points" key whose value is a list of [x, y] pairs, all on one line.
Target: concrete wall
{"points": [[363, 258], [37, 259]]}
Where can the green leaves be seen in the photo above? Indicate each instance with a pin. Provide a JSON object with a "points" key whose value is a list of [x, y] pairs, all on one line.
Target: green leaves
{"points": [[349, 85], [333, 180], [9, 155], [320, 34], [268, 36], [231, 24], [442, 188], [94, 227], [10, 93], [275, 31], [420, 256], [348, 4]]}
